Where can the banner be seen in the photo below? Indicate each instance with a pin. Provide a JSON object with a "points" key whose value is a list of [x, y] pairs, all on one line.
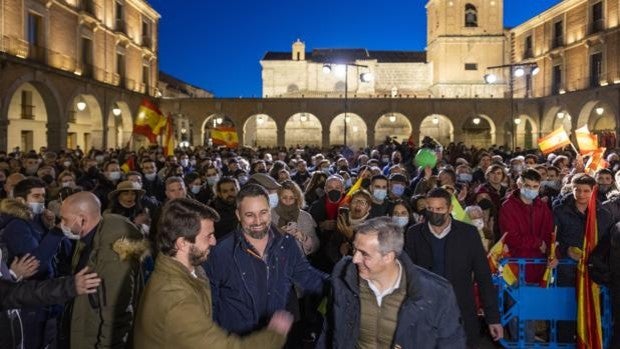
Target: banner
{"points": [[226, 136], [554, 140], [149, 122], [586, 141]]}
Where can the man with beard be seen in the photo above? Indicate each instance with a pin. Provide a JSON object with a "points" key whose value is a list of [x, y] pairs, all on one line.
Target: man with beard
{"points": [[224, 203], [253, 270], [175, 310], [302, 175]]}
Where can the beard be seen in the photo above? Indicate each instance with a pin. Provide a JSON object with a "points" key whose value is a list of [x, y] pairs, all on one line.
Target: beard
{"points": [[197, 257], [254, 234]]}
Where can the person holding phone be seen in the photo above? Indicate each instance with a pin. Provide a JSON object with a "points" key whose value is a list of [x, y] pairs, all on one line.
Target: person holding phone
{"points": [[356, 214], [291, 219]]}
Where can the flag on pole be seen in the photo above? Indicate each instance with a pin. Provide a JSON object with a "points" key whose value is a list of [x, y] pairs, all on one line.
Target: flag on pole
{"points": [[547, 279], [149, 122], [129, 164], [169, 137], [554, 140], [496, 253], [355, 187], [586, 141], [226, 136], [589, 327], [458, 212], [596, 161]]}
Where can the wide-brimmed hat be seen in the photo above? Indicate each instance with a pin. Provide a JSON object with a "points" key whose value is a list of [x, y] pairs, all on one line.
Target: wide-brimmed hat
{"points": [[264, 180], [126, 186]]}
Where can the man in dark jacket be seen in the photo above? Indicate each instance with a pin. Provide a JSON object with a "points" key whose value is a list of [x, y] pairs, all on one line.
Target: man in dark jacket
{"points": [[380, 299], [224, 203], [453, 249], [253, 270]]}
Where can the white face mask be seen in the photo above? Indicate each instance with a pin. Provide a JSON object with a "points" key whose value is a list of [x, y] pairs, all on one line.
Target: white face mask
{"points": [[184, 162], [114, 176], [68, 233], [273, 200], [478, 223], [150, 176], [400, 221], [37, 207]]}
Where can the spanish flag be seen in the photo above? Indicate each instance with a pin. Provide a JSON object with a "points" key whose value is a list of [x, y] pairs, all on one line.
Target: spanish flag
{"points": [[586, 141], [226, 136], [150, 121], [554, 140], [169, 137], [547, 278], [355, 187], [589, 327], [496, 253], [596, 161]]}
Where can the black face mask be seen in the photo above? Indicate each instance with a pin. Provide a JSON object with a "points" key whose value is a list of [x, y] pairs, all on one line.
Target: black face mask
{"points": [[485, 204], [436, 219], [334, 195]]}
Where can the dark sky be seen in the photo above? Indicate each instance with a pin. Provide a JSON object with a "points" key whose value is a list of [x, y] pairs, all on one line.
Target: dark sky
{"points": [[217, 44]]}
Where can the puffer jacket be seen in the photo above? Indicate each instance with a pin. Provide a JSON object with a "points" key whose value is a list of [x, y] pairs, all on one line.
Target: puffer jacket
{"points": [[429, 317]]}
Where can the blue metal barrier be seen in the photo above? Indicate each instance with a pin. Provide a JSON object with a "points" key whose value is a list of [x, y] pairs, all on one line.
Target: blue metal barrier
{"points": [[552, 304]]}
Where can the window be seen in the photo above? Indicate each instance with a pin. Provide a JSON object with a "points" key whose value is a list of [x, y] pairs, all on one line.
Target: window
{"points": [[471, 66], [528, 51], [596, 25], [471, 16], [87, 57], [528, 85], [556, 79], [120, 17], [146, 77], [88, 6], [27, 107], [596, 69], [35, 37], [146, 33], [558, 34], [120, 68]]}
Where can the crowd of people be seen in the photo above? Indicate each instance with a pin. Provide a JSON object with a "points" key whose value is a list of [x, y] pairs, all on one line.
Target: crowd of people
{"points": [[300, 247]]}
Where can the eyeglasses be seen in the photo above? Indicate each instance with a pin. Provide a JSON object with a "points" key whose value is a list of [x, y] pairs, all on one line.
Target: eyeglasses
{"points": [[359, 202]]}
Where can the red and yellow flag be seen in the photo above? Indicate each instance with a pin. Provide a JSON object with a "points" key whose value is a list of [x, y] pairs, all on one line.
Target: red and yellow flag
{"points": [[169, 137], [586, 141], [355, 187], [554, 140], [149, 122], [226, 136], [498, 251], [596, 161], [589, 327], [546, 280]]}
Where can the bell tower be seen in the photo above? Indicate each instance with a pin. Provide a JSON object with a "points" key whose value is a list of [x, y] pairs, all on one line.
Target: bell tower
{"points": [[464, 37]]}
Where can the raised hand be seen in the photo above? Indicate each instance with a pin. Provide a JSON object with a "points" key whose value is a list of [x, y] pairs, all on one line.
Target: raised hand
{"points": [[25, 267]]}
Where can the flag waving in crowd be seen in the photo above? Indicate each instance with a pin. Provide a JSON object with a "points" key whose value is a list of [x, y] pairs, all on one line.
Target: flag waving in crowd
{"points": [[498, 252], [150, 121], [554, 140]]}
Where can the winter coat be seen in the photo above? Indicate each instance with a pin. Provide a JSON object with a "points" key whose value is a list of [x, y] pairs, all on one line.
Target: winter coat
{"points": [[306, 224], [429, 316], [175, 312], [528, 226], [230, 271], [105, 319], [463, 255], [228, 218]]}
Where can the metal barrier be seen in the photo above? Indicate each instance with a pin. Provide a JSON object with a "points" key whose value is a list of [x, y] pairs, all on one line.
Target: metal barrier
{"points": [[551, 304]]}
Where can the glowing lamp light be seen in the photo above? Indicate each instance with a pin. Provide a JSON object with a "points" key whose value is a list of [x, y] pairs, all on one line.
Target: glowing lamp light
{"points": [[347, 118], [81, 105], [599, 111], [260, 120], [219, 120], [303, 117], [392, 118], [116, 110], [476, 121], [519, 72], [560, 115], [435, 120], [517, 121], [490, 78], [366, 77], [327, 69], [536, 70]]}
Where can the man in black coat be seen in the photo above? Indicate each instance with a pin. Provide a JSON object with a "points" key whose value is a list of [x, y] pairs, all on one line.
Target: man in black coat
{"points": [[225, 204], [453, 249]]}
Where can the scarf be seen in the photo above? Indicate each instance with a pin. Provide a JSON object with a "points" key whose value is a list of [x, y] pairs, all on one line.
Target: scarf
{"points": [[287, 214]]}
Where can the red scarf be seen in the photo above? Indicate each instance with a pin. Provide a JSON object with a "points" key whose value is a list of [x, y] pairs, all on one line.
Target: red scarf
{"points": [[331, 208]]}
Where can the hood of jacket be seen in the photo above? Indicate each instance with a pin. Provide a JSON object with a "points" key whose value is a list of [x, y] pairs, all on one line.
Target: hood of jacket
{"points": [[15, 208], [124, 237]]}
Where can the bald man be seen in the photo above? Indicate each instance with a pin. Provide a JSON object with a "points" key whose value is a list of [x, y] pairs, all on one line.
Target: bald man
{"points": [[10, 183], [113, 247]]}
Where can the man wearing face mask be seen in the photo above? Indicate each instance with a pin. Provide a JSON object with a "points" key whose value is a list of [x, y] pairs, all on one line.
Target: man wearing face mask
{"points": [[398, 187], [379, 191], [27, 231], [396, 159], [269, 183], [152, 184], [185, 164], [453, 250], [106, 184]]}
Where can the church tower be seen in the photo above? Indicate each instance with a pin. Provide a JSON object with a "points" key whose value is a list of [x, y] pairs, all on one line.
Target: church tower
{"points": [[464, 37]]}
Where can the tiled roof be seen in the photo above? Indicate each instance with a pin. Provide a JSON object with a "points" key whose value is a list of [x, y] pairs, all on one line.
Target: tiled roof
{"points": [[351, 55]]}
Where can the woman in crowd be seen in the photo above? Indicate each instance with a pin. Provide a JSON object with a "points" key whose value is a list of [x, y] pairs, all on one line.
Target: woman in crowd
{"points": [[291, 219], [195, 188], [125, 201], [401, 214], [315, 188]]}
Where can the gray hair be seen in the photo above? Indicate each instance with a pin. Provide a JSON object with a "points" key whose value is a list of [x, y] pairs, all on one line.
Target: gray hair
{"points": [[389, 235]]}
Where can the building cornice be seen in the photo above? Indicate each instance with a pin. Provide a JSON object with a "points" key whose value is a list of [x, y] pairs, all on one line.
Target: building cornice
{"points": [[144, 8], [557, 10]]}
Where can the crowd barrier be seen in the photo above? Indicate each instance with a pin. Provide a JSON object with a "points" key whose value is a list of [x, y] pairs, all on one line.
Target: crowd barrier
{"points": [[550, 304]]}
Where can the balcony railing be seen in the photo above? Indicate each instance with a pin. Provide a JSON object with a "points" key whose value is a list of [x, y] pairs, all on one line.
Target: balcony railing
{"points": [[36, 53], [27, 112], [147, 41], [528, 53], [120, 26], [557, 41], [14, 46]]}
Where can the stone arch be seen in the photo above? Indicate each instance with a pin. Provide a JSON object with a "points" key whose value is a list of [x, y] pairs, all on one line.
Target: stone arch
{"points": [[438, 127], [527, 132], [600, 116], [471, 15], [395, 125], [303, 128], [356, 131], [479, 130], [214, 121], [85, 127], [31, 106], [260, 130]]}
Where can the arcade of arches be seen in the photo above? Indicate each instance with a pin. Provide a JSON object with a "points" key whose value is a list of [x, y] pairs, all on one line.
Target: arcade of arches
{"points": [[63, 111]]}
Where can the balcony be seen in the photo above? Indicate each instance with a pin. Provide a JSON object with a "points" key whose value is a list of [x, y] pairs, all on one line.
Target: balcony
{"points": [[528, 53], [87, 7], [27, 112], [36, 53], [14, 46], [596, 26], [557, 41], [147, 41], [120, 26]]}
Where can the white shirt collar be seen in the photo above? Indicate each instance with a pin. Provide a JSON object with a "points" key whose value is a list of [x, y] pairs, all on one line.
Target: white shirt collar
{"points": [[443, 233], [389, 290]]}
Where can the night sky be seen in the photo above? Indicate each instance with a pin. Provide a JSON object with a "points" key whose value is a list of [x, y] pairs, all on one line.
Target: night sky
{"points": [[217, 44]]}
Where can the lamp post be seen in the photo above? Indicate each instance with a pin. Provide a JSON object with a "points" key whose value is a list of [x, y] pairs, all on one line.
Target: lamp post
{"points": [[516, 71], [364, 77]]}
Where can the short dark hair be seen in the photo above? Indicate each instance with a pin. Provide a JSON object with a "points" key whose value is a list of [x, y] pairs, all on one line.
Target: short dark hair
{"points": [[181, 218], [530, 174], [605, 171], [378, 177], [23, 187], [252, 191], [224, 180], [440, 193], [582, 178]]}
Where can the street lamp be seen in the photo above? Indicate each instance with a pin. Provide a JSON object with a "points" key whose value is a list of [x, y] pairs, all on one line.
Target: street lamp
{"points": [[364, 77], [516, 71]]}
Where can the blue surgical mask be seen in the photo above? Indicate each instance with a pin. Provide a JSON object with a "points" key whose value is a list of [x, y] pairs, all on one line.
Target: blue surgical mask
{"points": [[211, 180], [400, 221], [398, 189], [37, 207], [195, 189], [273, 200], [465, 177], [529, 194], [379, 194], [347, 183]]}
